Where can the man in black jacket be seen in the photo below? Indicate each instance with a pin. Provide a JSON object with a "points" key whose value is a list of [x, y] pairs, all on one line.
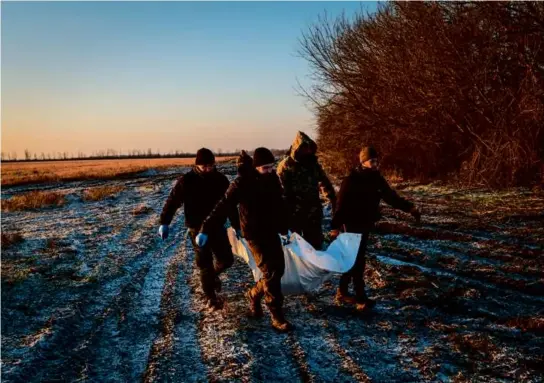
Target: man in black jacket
{"points": [[258, 193], [199, 191], [357, 211]]}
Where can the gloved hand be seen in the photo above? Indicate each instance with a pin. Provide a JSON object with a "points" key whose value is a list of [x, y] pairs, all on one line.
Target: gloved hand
{"points": [[163, 231], [285, 238], [239, 234], [416, 214], [333, 234], [201, 239]]}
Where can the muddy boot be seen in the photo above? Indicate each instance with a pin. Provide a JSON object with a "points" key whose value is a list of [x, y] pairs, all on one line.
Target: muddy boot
{"points": [[366, 305], [344, 297], [278, 320], [214, 304], [255, 308]]}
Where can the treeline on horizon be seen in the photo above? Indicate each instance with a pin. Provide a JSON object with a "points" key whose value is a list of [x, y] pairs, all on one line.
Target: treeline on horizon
{"points": [[443, 90], [114, 154]]}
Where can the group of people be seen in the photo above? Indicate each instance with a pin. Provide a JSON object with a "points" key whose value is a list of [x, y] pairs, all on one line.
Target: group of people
{"points": [[264, 205]]}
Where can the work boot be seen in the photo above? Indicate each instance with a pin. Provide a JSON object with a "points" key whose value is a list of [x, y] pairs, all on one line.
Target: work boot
{"points": [[344, 297], [255, 308], [214, 304], [278, 320], [366, 305]]}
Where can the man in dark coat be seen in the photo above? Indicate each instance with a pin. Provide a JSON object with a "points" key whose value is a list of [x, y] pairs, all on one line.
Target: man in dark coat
{"points": [[357, 211], [258, 193], [199, 191]]}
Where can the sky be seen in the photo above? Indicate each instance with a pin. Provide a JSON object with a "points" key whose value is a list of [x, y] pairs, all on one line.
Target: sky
{"points": [[88, 76]]}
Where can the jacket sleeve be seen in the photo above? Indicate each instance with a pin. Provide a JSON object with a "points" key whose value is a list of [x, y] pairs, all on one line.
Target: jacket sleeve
{"points": [[234, 216], [173, 202], [223, 208], [391, 197], [326, 186], [342, 204]]}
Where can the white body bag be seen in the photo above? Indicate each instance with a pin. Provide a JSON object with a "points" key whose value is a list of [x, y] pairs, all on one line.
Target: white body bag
{"points": [[306, 268]]}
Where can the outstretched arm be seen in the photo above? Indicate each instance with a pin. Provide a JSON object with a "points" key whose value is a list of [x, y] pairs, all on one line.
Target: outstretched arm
{"points": [[173, 202], [391, 197], [223, 208]]}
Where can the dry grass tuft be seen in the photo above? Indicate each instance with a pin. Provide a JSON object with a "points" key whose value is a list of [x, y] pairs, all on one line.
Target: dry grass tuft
{"points": [[101, 192], [33, 200], [531, 324], [478, 346], [9, 239], [20, 173], [141, 209]]}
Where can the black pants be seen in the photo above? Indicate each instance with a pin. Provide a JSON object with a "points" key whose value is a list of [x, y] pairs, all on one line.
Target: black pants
{"points": [[218, 247], [356, 274], [311, 231], [268, 255]]}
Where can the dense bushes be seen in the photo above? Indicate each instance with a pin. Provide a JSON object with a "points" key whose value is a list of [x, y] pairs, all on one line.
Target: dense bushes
{"points": [[441, 89]]}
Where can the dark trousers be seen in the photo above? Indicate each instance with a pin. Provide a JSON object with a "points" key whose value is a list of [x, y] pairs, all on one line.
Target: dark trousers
{"points": [[218, 247], [311, 231], [356, 274], [268, 255]]}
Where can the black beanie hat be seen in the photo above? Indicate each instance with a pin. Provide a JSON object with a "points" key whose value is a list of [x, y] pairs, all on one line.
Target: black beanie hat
{"points": [[263, 156], [204, 157], [367, 153]]}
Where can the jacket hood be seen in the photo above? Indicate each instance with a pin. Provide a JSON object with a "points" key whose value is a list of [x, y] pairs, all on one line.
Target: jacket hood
{"points": [[300, 140]]}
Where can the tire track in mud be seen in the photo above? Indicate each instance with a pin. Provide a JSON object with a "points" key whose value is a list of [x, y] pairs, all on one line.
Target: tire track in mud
{"points": [[90, 306], [347, 341], [175, 355], [50, 294], [223, 348], [321, 361], [122, 344]]}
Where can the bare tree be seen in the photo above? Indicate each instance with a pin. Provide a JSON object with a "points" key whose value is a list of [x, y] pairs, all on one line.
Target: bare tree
{"points": [[440, 88]]}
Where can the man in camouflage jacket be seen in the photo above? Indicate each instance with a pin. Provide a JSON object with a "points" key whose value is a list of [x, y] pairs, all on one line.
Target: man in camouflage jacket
{"points": [[302, 178]]}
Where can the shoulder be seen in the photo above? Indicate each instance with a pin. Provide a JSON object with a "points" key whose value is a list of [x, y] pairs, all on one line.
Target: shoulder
{"points": [[285, 165]]}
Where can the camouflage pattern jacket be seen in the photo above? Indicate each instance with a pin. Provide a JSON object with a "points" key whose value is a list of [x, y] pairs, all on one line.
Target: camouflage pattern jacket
{"points": [[302, 184]]}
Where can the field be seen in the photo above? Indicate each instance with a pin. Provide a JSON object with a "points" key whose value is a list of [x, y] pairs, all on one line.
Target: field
{"points": [[91, 293], [18, 173]]}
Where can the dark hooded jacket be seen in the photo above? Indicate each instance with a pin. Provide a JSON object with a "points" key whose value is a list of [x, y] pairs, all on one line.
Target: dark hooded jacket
{"points": [[358, 205], [259, 200], [199, 193]]}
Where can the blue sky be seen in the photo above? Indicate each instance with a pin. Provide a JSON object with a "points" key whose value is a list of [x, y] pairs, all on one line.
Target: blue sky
{"points": [[85, 76]]}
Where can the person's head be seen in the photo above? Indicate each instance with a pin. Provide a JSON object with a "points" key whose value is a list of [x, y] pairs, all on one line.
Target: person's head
{"points": [[205, 160], [368, 157], [303, 149], [264, 161]]}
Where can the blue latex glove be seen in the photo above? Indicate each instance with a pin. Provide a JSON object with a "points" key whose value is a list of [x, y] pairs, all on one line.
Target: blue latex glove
{"points": [[163, 231], [239, 234], [201, 239], [285, 239]]}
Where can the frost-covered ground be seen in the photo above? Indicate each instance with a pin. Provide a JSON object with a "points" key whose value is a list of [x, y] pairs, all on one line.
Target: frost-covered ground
{"points": [[93, 294]]}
